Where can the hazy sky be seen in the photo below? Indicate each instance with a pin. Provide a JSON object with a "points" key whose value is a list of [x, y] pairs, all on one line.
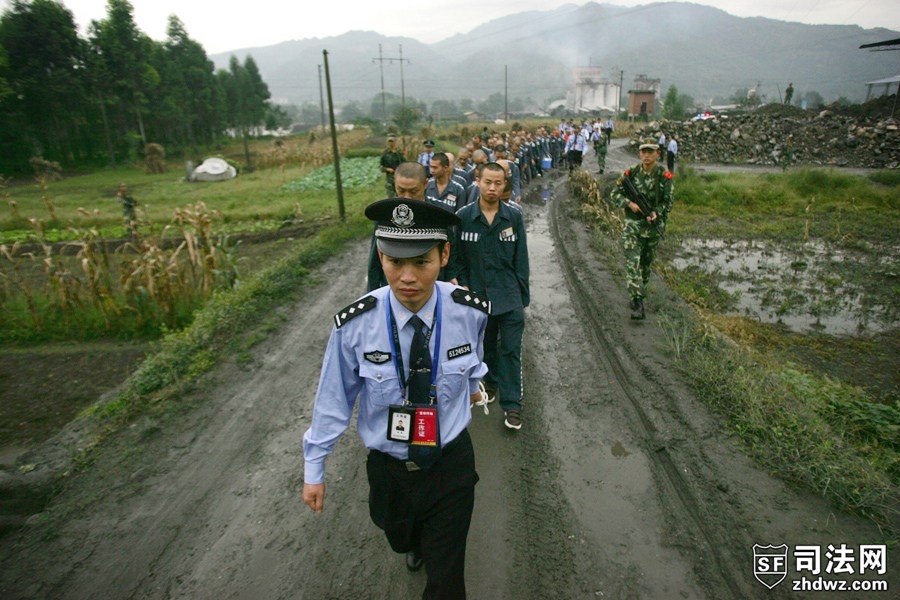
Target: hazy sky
{"points": [[220, 25]]}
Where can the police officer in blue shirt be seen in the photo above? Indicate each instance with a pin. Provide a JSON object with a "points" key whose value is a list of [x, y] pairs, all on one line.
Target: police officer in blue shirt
{"points": [[425, 157], [492, 258], [576, 146], [412, 353]]}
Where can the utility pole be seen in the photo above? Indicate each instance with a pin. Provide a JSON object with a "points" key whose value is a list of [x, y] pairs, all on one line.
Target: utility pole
{"points": [[390, 59], [402, 84], [334, 144], [505, 94], [381, 66], [619, 98], [321, 100]]}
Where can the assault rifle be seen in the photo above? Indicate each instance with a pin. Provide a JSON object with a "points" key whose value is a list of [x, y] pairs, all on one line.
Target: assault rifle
{"points": [[638, 198]]}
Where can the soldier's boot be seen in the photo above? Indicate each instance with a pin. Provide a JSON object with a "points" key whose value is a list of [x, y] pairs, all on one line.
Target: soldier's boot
{"points": [[637, 308]]}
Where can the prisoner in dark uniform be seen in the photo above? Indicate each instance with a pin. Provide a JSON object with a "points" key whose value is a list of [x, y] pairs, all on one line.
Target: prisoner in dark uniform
{"points": [[491, 258]]}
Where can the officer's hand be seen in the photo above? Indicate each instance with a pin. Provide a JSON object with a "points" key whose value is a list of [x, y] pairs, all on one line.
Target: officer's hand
{"points": [[652, 218], [633, 207], [314, 496]]}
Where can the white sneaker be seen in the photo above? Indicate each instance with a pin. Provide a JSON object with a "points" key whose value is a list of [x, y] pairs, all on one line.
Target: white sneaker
{"points": [[513, 419]]}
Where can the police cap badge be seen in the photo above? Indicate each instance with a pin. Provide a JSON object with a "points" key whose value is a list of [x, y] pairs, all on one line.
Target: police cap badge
{"points": [[407, 228]]}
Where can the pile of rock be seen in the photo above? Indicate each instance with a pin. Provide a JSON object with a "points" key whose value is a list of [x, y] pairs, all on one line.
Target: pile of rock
{"points": [[824, 138]]}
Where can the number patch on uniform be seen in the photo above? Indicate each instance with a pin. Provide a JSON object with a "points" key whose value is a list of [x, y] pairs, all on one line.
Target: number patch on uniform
{"points": [[508, 235], [459, 351]]}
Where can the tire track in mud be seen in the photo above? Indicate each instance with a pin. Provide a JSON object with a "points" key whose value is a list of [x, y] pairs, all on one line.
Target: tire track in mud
{"points": [[683, 502], [586, 515]]}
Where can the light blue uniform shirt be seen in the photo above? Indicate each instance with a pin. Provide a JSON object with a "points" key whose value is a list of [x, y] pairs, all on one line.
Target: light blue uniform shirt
{"points": [[359, 363], [576, 142]]}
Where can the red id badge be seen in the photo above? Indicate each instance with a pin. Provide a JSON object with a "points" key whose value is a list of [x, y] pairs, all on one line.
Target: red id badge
{"points": [[425, 426]]}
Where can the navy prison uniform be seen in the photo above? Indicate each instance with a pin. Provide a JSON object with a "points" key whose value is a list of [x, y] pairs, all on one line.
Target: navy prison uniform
{"points": [[492, 260]]}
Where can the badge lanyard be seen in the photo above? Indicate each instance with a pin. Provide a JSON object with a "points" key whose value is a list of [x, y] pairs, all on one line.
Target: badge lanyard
{"points": [[398, 358]]}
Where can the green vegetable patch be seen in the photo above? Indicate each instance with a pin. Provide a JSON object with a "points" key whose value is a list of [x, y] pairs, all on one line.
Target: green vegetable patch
{"points": [[355, 173]]}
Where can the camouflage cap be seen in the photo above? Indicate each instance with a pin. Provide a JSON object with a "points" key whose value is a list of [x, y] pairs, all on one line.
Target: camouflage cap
{"points": [[649, 144]]}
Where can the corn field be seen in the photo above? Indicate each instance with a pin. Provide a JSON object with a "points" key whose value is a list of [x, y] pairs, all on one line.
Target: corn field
{"points": [[583, 187], [93, 287], [314, 152], [90, 287]]}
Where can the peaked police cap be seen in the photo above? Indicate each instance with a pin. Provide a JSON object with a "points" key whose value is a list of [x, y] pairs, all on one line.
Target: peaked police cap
{"points": [[408, 228]]}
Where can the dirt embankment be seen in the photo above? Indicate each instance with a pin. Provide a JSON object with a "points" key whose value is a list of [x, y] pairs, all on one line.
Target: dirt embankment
{"points": [[620, 484], [767, 135]]}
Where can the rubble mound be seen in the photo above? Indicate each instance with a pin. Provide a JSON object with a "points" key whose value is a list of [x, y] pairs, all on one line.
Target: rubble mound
{"points": [[836, 136]]}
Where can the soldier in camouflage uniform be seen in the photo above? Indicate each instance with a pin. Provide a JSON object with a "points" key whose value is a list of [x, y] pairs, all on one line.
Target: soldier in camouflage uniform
{"points": [[642, 233], [390, 160], [599, 140]]}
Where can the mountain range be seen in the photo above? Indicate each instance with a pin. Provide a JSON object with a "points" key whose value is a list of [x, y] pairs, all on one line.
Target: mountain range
{"points": [[703, 51]]}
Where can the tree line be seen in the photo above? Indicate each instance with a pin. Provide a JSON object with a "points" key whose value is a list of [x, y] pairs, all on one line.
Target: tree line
{"points": [[101, 100]]}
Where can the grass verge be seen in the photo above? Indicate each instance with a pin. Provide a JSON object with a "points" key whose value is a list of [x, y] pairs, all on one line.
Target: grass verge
{"points": [[183, 355], [804, 426]]}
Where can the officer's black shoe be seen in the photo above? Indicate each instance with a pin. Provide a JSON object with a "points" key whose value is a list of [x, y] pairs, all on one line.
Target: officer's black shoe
{"points": [[637, 308], [414, 560]]}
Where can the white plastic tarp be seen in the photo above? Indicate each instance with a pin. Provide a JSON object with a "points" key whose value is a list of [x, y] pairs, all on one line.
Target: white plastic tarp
{"points": [[213, 169]]}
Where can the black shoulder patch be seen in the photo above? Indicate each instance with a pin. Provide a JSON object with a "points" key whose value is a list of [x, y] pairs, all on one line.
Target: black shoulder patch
{"points": [[461, 296], [354, 310]]}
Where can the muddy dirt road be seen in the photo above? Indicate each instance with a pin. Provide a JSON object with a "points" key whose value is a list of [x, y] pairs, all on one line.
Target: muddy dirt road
{"points": [[618, 486]]}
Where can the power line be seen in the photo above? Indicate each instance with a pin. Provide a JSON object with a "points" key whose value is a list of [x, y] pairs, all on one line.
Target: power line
{"points": [[390, 59]]}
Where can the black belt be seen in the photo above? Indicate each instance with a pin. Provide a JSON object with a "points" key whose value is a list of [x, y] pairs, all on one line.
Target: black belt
{"points": [[411, 466]]}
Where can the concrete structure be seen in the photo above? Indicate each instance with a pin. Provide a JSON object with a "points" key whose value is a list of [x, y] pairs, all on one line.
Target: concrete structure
{"points": [[593, 93]]}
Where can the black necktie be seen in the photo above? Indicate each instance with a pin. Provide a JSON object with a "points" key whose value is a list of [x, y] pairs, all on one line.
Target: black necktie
{"points": [[419, 364], [419, 387]]}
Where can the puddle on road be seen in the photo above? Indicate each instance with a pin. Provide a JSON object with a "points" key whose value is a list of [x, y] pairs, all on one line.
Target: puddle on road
{"points": [[618, 450], [807, 287], [542, 255], [539, 195]]}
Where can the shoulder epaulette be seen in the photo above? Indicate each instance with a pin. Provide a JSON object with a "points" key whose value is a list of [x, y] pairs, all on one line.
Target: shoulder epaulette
{"points": [[668, 175], [354, 310], [461, 296]]}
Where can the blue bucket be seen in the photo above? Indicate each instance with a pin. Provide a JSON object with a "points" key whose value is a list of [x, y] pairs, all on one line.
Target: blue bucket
{"points": [[546, 163]]}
